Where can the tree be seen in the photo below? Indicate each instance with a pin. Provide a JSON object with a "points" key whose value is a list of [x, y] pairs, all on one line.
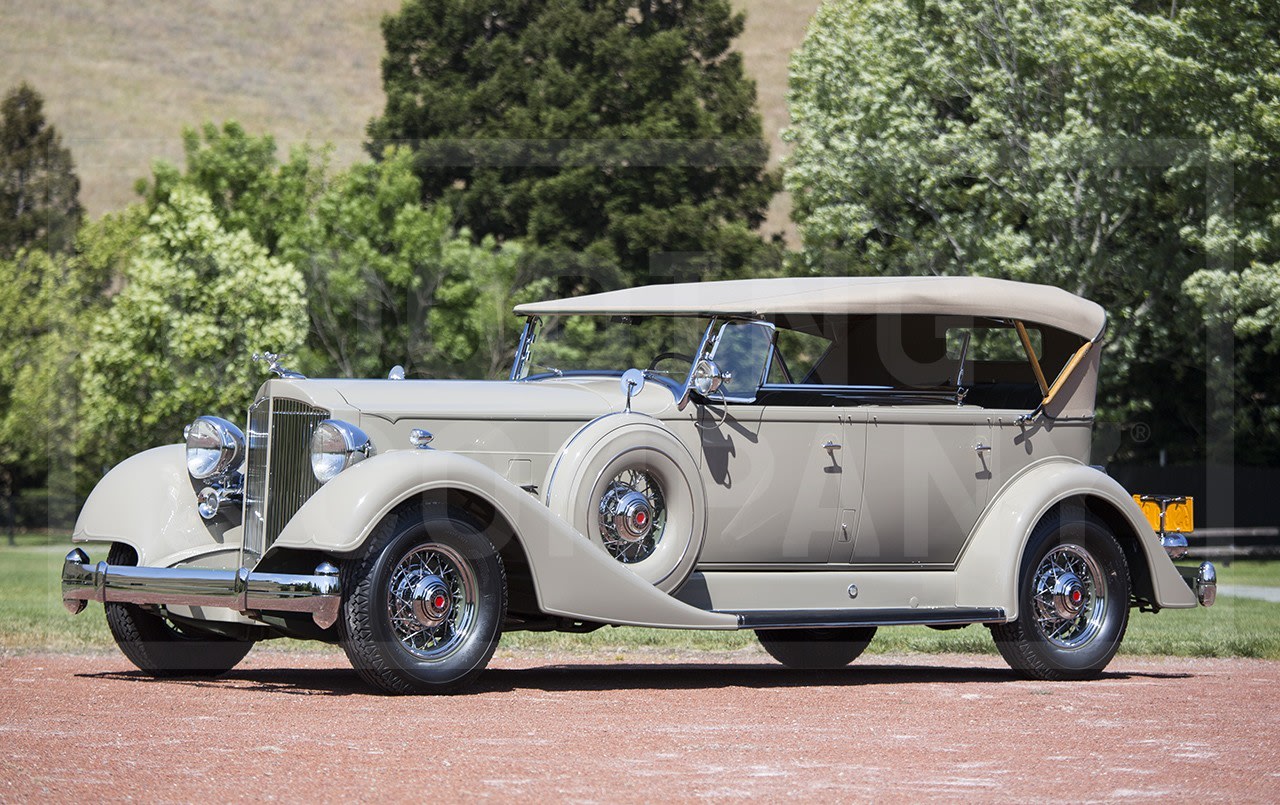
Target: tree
{"points": [[374, 259], [1113, 150], [1246, 306], [39, 190], [176, 341], [244, 179], [613, 130], [47, 305]]}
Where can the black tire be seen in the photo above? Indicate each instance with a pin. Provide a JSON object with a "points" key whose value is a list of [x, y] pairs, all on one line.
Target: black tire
{"points": [[1057, 635], [816, 649], [162, 648], [399, 643]]}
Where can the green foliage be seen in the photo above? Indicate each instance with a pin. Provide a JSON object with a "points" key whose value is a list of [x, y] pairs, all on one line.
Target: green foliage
{"points": [[1246, 305], [176, 341], [473, 328], [244, 179], [1112, 150], [544, 120], [39, 190], [386, 275], [46, 304]]}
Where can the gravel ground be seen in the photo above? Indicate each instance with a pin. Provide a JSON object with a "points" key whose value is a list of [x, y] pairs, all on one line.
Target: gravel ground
{"points": [[642, 727]]}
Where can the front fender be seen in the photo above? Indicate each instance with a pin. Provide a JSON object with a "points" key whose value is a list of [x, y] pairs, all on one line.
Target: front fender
{"points": [[987, 573], [147, 501], [572, 577]]}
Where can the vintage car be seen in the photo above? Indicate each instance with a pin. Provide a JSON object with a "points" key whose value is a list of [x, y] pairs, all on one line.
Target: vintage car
{"points": [[811, 459]]}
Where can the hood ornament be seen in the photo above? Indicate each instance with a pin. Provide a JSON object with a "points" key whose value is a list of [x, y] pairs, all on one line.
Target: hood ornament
{"points": [[273, 365]]}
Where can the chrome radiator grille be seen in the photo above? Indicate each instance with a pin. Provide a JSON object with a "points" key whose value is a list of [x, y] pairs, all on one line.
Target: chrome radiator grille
{"points": [[278, 477]]}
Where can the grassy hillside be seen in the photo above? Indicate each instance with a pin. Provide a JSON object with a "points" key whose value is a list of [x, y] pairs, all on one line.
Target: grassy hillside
{"points": [[121, 80]]}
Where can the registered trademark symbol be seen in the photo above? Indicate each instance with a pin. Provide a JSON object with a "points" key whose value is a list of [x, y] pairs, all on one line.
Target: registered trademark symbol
{"points": [[1140, 431]]}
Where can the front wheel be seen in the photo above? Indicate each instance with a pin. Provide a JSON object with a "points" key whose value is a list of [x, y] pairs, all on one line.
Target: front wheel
{"points": [[1073, 600], [165, 648], [816, 649], [424, 603]]}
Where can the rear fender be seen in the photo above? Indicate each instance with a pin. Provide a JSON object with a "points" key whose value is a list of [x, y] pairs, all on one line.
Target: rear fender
{"points": [[987, 573], [572, 577], [148, 502]]}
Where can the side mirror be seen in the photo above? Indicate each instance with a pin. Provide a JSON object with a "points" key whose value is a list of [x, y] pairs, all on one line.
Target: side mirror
{"points": [[632, 382]]}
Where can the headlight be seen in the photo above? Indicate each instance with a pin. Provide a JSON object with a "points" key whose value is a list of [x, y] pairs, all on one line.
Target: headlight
{"points": [[335, 446], [214, 446]]}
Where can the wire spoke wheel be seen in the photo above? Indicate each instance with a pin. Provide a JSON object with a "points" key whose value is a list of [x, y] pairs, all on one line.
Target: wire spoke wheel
{"points": [[633, 515], [424, 602], [1073, 600], [1070, 602], [431, 601]]}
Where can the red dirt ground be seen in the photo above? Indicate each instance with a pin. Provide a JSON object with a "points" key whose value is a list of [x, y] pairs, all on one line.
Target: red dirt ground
{"points": [[294, 727]]}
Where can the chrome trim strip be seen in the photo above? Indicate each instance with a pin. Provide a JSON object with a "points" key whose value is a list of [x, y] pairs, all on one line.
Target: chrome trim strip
{"points": [[320, 594]]}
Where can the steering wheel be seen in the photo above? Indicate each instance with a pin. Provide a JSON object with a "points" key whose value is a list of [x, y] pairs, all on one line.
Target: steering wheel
{"points": [[662, 356]]}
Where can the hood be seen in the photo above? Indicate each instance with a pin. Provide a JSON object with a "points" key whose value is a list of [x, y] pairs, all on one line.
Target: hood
{"points": [[393, 400]]}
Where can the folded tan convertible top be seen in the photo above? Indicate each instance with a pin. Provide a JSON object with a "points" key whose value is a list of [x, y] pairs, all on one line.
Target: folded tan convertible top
{"points": [[960, 296]]}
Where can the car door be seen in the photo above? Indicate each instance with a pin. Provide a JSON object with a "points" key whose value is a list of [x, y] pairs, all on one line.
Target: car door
{"points": [[773, 476], [773, 464], [926, 481]]}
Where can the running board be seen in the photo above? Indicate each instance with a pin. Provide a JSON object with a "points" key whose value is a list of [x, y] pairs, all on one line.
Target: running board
{"points": [[840, 618]]}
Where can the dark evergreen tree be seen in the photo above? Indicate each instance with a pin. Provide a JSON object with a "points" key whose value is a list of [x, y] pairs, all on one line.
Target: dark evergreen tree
{"points": [[616, 130], [39, 190]]}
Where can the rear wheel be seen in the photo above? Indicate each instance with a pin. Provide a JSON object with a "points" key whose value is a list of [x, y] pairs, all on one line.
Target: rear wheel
{"points": [[1073, 600], [425, 602], [163, 647], [814, 649]]}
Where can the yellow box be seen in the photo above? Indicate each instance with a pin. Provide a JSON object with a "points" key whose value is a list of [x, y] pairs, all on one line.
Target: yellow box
{"points": [[1179, 512]]}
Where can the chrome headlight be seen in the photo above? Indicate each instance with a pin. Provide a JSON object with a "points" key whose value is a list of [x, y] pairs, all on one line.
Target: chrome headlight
{"points": [[214, 446], [335, 446]]}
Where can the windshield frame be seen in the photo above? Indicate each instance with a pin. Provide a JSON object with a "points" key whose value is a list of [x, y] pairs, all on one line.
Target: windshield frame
{"points": [[529, 336]]}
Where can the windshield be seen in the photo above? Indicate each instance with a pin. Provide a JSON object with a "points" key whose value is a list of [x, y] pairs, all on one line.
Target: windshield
{"points": [[664, 345]]}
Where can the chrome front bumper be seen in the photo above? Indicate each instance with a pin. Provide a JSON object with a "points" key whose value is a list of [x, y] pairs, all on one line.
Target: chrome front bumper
{"points": [[319, 595]]}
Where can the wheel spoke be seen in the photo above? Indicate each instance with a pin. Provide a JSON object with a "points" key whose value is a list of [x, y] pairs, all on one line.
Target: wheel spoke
{"points": [[1068, 609], [431, 640], [631, 548]]}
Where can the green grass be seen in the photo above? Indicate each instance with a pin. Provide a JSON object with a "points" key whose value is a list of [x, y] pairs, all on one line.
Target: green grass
{"points": [[32, 618], [1260, 572]]}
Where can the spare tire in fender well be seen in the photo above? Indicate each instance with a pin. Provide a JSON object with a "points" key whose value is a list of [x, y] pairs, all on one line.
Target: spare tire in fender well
{"points": [[632, 457]]}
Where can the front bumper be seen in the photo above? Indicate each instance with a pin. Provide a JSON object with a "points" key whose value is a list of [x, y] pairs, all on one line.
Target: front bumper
{"points": [[319, 595]]}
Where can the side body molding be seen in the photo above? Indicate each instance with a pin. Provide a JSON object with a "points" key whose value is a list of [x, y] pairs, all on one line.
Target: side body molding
{"points": [[987, 573], [573, 578]]}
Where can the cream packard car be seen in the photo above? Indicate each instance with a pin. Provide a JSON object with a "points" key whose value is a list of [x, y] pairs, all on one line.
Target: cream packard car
{"points": [[812, 459]]}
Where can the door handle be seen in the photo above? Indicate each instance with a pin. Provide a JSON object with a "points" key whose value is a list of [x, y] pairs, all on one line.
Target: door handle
{"points": [[981, 448], [830, 446]]}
